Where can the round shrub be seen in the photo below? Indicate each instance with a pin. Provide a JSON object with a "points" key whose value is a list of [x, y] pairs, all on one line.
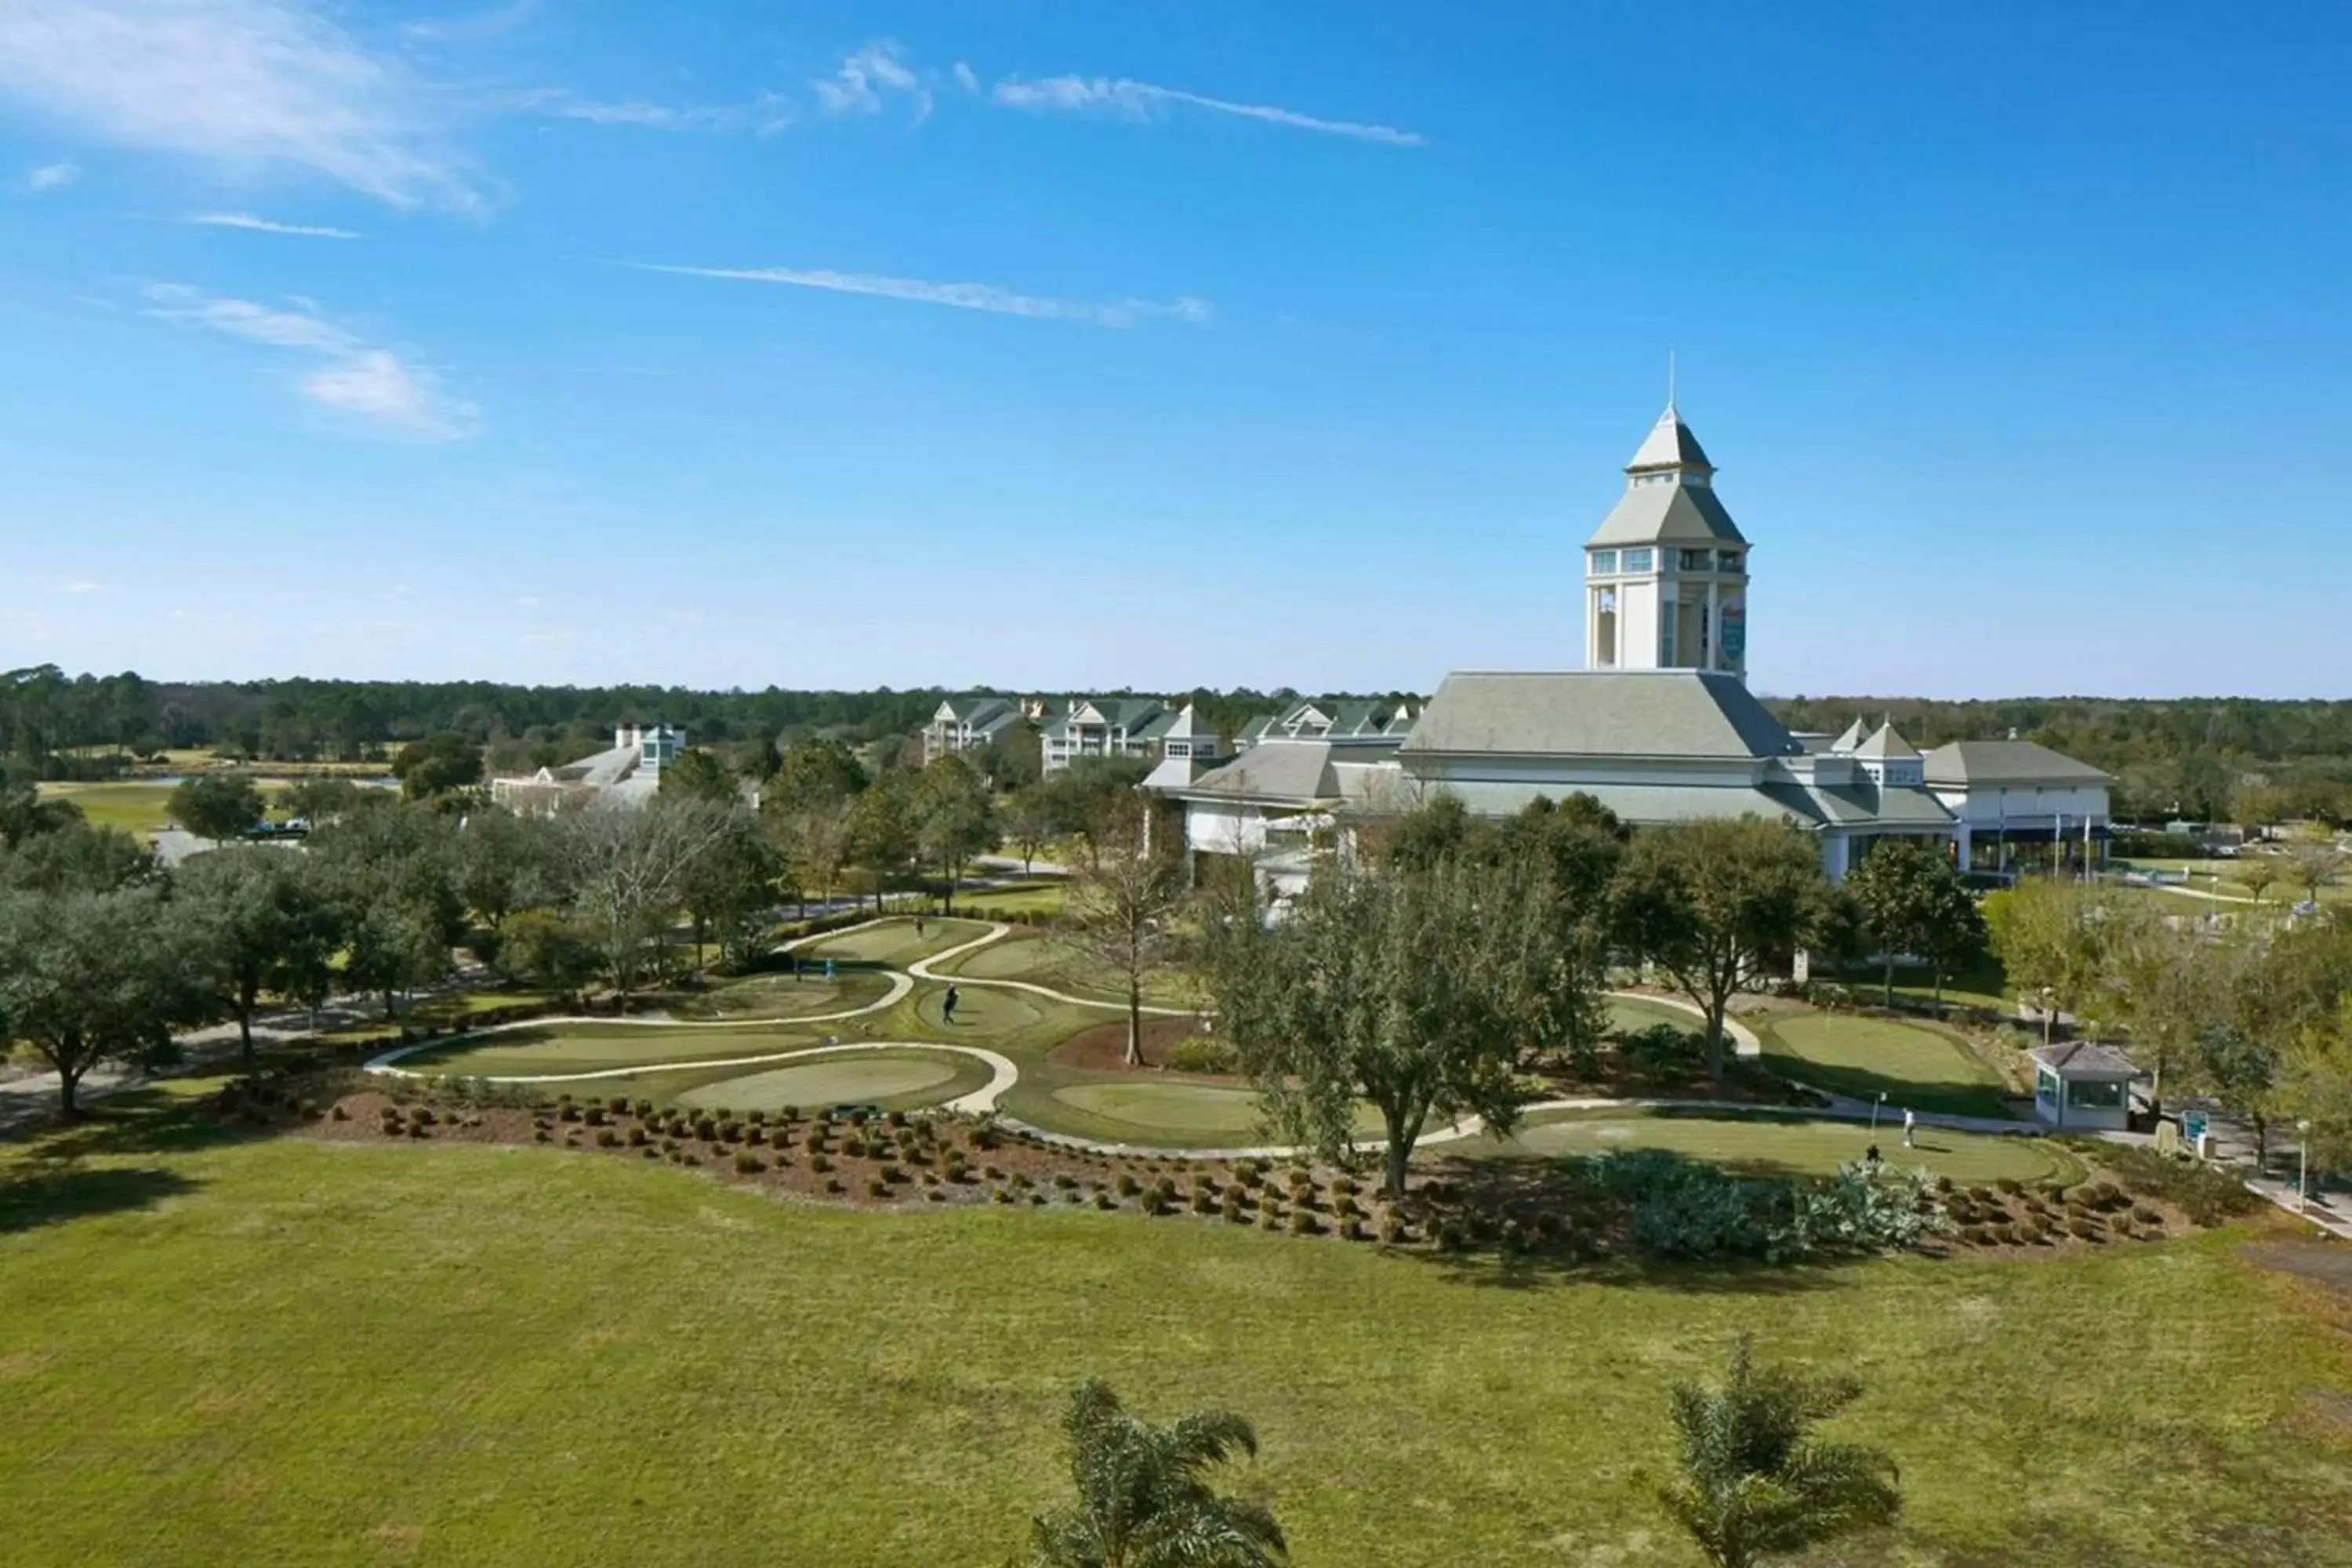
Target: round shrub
{"points": [[543, 1136], [876, 1187], [1269, 1218], [833, 1185], [650, 1152], [1105, 1200], [644, 1108], [780, 1139], [706, 1129], [748, 1163], [607, 1138], [819, 1164], [792, 1113], [2143, 1215], [2084, 1229], [636, 1137], [1392, 1230]]}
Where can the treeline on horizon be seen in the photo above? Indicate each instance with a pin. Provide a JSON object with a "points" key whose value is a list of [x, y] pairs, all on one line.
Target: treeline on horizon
{"points": [[2205, 758]]}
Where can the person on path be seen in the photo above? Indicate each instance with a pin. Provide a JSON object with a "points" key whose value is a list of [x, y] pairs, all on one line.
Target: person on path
{"points": [[918, 928], [1910, 1121], [828, 969], [947, 1007]]}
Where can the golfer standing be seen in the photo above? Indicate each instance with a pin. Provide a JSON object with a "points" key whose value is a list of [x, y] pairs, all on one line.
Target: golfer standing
{"points": [[1910, 1121]]}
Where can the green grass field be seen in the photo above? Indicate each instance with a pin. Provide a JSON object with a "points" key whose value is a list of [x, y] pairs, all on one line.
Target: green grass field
{"points": [[1780, 1145], [1037, 901], [1042, 961], [786, 995], [893, 944], [131, 804], [1629, 1016], [891, 1079], [276, 1352], [563, 1048], [1911, 1065]]}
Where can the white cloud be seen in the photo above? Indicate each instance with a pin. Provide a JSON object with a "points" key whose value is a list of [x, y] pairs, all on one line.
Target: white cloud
{"points": [[1127, 99], [858, 88], [248, 84], [268, 225], [761, 116], [962, 296], [82, 586], [54, 177], [355, 378], [476, 28], [966, 77]]}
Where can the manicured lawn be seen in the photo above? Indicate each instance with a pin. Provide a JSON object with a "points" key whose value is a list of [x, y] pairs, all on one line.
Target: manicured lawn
{"points": [[1629, 1017], [893, 944], [1762, 1143], [562, 1047], [276, 1352], [444, 1009], [1042, 961], [893, 1081], [133, 806], [786, 995], [1170, 1114], [1914, 1066], [1020, 900]]}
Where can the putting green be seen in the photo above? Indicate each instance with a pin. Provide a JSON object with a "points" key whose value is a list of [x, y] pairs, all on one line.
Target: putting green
{"points": [[771, 995], [893, 943], [594, 1047], [829, 1080], [1779, 1145], [1864, 1056], [1166, 1106], [1042, 961]]}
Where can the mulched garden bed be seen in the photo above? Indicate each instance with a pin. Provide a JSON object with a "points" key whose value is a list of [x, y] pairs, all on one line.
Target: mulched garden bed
{"points": [[1531, 1210]]}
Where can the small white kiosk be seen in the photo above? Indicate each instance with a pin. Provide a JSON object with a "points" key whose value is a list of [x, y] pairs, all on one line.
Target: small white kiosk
{"points": [[2083, 1085]]}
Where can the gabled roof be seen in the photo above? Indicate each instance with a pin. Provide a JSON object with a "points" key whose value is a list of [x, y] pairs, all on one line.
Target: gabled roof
{"points": [[1982, 764], [1681, 714], [1187, 725], [1883, 744], [1669, 445], [973, 710], [1844, 745], [1282, 771]]}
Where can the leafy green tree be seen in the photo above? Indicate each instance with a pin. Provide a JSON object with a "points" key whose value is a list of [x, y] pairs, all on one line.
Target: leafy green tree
{"points": [[324, 799], [391, 879], [251, 915], [1912, 901], [219, 806], [1121, 913], [24, 815], [2258, 874], [2046, 933], [440, 764], [815, 771], [698, 773], [730, 888], [92, 977], [549, 950], [503, 863], [1708, 902], [1145, 1498], [1754, 1484], [881, 832], [1383, 987], [2314, 863], [1090, 795], [1028, 818], [954, 818], [76, 857]]}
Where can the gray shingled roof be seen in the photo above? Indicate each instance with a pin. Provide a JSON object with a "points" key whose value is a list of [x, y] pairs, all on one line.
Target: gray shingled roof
{"points": [[1669, 445], [1883, 744], [1851, 737], [2085, 1058], [1667, 514], [1598, 713], [1284, 770], [1863, 803], [1992, 764]]}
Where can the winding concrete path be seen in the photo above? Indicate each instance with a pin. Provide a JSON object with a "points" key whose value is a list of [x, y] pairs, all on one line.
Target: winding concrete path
{"points": [[1004, 1073]]}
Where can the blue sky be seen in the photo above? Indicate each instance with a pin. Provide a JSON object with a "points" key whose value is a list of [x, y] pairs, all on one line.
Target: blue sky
{"points": [[1089, 344]]}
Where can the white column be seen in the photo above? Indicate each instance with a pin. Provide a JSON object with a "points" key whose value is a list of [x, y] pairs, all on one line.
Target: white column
{"points": [[1714, 627], [1833, 856], [1964, 843]]}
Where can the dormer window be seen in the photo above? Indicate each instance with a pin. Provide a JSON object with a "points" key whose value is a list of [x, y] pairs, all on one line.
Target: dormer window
{"points": [[1637, 561], [1604, 562]]}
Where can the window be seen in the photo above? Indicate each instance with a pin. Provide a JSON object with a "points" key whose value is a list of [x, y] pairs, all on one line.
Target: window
{"points": [[1666, 638], [1696, 559], [2106, 1094], [1727, 561], [1637, 561], [1604, 561]]}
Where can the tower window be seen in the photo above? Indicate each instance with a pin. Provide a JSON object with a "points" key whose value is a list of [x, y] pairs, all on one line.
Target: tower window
{"points": [[1727, 561], [1696, 559], [1637, 561], [1604, 561]]}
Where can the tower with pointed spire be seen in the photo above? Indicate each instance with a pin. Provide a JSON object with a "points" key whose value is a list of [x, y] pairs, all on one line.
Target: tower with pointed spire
{"points": [[1666, 573]]}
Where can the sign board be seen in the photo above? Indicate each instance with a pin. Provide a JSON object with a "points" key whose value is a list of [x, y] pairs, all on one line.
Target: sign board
{"points": [[2193, 1125]]}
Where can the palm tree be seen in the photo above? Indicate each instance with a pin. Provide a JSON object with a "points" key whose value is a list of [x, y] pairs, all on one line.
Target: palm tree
{"points": [[1751, 1483], [1142, 1500]]}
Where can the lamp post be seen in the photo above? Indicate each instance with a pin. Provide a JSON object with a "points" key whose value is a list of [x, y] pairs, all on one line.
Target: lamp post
{"points": [[2302, 1167], [1874, 1114]]}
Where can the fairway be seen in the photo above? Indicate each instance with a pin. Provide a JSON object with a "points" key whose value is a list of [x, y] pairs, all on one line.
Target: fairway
{"points": [[220, 1353], [1192, 1110], [1918, 1067], [1043, 960], [892, 943], [892, 1081], [1779, 1145], [567, 1047]]}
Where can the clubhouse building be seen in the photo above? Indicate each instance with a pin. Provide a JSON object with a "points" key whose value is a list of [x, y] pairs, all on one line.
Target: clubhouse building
{"points": [[1659, 726]]}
